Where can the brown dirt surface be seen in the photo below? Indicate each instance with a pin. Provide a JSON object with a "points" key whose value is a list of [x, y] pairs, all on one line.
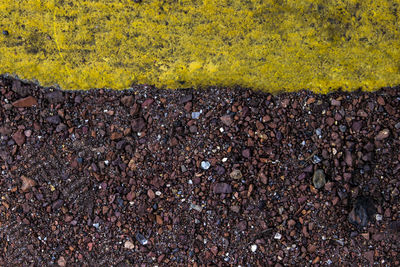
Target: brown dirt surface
{"points": [[212, 177]]}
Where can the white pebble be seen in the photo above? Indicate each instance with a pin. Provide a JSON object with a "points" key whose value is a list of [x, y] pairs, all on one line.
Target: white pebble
{"points": [[221, 130], [278, 236], [224, 159], [158, 193], [253, 248], [378, 217]]}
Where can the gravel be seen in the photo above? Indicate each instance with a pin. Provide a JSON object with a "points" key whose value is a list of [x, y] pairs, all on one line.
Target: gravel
{"points": [[147, 176]]}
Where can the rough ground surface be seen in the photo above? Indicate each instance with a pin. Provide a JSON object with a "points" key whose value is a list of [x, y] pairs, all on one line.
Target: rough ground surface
{"points": [[102, 178]]}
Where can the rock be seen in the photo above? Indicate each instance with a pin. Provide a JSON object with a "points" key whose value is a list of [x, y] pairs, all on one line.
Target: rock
{"points": [[319, 179], [141, 239], [222, 188], [116, 136], [369, 255], [129, 245], [235, 208], [127, 101], [335, 102], [382, 135], [356, 126], [277, 236], [193, 129], [27, 183], [219, 170], [226, 119], [380, 101], [147, 103], [196, 115], [61, 127], [205, 165], [138, 124], [57, 204], [348, 158], [186, 98], [253, 248], [19, 88], [150, 194], [246, 153], [62, 262], [19, 137], [55, 97], [54, 119], [26, 102], [363, 211], [236, 174]]}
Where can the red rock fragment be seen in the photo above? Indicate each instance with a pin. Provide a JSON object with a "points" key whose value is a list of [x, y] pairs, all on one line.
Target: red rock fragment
{"points": [[27, 183], [19, 137], [226, 119], [26, 102]]}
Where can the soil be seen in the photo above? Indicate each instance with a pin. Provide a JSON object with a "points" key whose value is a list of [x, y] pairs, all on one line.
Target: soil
{"points": [[213, 177]]}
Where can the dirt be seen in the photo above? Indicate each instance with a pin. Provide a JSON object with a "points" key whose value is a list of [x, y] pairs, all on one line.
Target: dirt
{"points": [[213, 177]]}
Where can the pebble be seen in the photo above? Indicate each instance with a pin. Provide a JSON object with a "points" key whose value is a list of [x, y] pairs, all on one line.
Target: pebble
{"points": [[196, 207], [382, 135], [236, 174], [196, 115], [318, 131], [342, 128], [141, 239], [129, 245], [127, 101], [19, 138], [335, 102], [26, 102], [363, 211], [397, 125], [55, 97], [222, 188], [205, 165], [356, 126], [277, 236], [253, 248], [316, 159], [27, 183], [226, 119], [319, 179], [62, 262], [54, 119]]}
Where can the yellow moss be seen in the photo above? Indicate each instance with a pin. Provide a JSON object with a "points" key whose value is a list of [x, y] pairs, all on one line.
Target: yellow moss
{"points": [[271, 45]]}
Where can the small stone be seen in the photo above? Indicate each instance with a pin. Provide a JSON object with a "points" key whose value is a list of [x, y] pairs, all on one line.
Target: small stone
{"points": [[318, 131], [141, 239], [253, 248], [236, 174], [246, 153], [342, 128], [397, 125], [316, 159], [26, 102], [222, 188], [335, 102], [127, 100], [226, 119], [150, 194], [61, 262], [277, 236], [381, 101], [363, 211], [57, 204], [235, 208], [205, 165], [196, 115], [319, 179], [348, 158], [147, 103], [382, 135], [54, 119], [193, 129], [369, 255], [19, 138], [356, 126], [61, 127], [5, 32], [129, 245], [214, 250], [55, 97], [116, 136], [27, 183], [138, 124], [196, 207]]}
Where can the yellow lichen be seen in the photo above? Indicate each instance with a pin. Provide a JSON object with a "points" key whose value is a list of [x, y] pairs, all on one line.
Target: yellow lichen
{"points": [[275, 45]]}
